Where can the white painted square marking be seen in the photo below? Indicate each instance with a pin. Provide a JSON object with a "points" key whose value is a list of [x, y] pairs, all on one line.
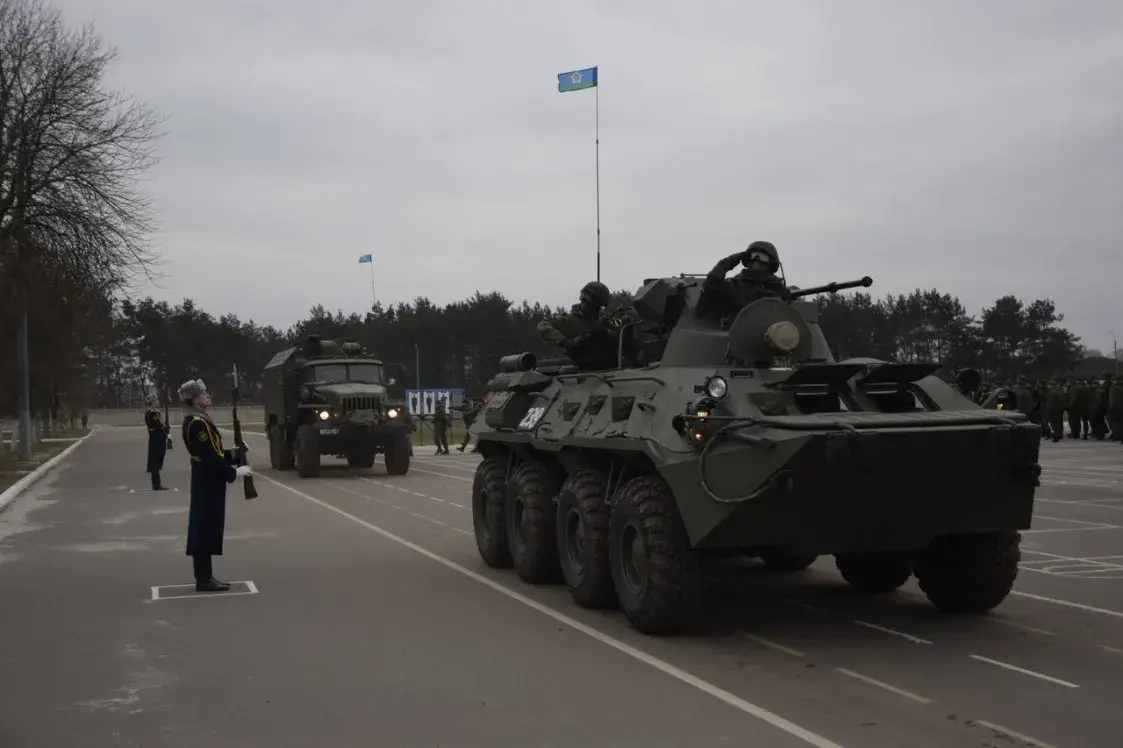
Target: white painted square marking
{"points": [[150, 490], [174, 591]]}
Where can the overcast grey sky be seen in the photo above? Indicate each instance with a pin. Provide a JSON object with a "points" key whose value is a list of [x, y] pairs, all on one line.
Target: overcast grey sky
{"points": [[974, 147]]}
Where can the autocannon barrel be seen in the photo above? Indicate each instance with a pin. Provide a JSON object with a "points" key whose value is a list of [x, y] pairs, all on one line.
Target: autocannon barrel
{"points": [[518, 362], [799, 293]]}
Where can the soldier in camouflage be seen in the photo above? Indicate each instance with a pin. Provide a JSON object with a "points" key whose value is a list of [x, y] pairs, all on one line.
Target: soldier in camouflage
{"points": [[723, 298], [1054, 398], [468, 412], [441, 422], [579, 331], [1078, 401]]}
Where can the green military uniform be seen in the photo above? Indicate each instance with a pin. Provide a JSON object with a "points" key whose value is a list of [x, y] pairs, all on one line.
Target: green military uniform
{"points": [[1025, 398], [1055, 408], [1078, 401], [1115, 410], [723, 298], [468, 411], [577, 331], [441, 424], [1100, 391]]}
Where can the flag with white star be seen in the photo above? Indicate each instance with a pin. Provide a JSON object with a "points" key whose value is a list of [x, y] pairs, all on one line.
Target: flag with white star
{"points": [[576, 80]]}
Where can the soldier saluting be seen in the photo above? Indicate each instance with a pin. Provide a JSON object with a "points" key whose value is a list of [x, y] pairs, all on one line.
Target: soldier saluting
{"points": [[212, 467], [158, 439]]}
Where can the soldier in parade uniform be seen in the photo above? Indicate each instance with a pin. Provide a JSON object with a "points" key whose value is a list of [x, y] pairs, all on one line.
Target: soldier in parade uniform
{"points": [[440, 428], [158, 439], [212, 467], [723, 298], [579, 331]]}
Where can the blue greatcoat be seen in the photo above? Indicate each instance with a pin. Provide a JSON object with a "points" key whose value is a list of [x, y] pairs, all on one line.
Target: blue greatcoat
{"points": [[157, 440], [212, 467]]}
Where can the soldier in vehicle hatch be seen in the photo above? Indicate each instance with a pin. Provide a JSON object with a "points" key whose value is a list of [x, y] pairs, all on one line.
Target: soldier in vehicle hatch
{"points": [[579, 332], [723, 298]]}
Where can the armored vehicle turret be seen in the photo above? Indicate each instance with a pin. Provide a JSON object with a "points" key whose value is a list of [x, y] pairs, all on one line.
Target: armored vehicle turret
{"points": [[745, 435], [327, 397]]}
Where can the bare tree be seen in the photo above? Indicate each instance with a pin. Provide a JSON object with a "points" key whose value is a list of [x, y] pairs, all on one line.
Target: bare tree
{"points": [[74, 223]]}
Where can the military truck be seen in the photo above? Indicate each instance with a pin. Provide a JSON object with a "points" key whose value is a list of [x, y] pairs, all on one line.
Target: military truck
{"points": [[745, 436], [327, 397]]}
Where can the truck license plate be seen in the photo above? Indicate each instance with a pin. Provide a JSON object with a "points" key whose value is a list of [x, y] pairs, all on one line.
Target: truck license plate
{"points": [[329, 431]]}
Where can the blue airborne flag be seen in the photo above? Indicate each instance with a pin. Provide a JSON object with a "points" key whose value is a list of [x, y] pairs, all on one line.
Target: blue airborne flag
{"points": [[576, 80], [364, 258]]}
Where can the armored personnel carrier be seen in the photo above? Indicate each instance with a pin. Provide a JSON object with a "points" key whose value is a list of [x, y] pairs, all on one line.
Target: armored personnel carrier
{"points": [[745, 436], [327, 397]]}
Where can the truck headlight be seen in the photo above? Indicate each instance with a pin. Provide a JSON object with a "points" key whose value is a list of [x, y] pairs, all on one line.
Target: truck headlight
{"points": [[324, 415], [392, 413]]}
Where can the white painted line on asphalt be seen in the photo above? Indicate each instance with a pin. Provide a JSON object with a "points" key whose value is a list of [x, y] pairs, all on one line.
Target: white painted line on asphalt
{"points": [[805, 606], [414, 493], [150, 490], [1081, 503], [771, 644], [1116, 650], [443, 475], [759, 712], [1023, 671], [160, 592], [886, 686], [894, 632], [1068, 529], [1069, 604], [1016, 625], [1074, 521], [1026, 739]]}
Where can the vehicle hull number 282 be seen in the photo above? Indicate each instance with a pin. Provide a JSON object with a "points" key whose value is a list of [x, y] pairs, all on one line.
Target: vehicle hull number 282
{"points": [[532, 417]]}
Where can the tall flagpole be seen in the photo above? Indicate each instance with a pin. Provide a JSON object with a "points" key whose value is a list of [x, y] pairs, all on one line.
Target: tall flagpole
{"points": [[372, 296], [596, 94]]}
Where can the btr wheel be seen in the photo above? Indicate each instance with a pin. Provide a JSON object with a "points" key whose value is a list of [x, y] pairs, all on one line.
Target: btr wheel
{"points": [[489, 489], [657, 577], [969, 573], [532, 522], [583, 520], [875, 573]]}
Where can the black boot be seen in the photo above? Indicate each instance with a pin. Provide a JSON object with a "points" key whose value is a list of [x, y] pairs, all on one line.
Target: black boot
{"points": [[204, 576], [156, 484]]}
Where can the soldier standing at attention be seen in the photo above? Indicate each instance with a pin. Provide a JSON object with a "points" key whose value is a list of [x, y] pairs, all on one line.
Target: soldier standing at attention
{"points": [[157, 441], [468, 411], [212, 467], [1055, 408], [1099, 406], [440, 429], [1078, 404]]}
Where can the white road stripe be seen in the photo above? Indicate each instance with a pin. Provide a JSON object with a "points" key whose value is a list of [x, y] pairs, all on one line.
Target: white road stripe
{"points": [[743, 705], [1011, 734], [892, 689], [771, 644], [1023, 671], [894, 632]]}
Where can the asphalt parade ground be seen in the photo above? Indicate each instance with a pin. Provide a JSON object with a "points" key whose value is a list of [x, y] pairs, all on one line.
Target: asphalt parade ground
{"points": [[364, 617]]}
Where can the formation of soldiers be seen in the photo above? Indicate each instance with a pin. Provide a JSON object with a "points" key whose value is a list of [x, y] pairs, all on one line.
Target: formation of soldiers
{"points": [[1091, 407]]}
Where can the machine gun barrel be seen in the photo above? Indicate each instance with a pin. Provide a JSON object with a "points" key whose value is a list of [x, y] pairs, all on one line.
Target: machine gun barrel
{"points": [[518, 362], [799, 293]]}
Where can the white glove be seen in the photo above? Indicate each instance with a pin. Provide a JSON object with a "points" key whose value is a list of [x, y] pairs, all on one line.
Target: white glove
{"points": [[243, 470]]}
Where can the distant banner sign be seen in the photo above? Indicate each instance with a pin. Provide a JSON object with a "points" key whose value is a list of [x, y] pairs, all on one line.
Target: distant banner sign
{"points": [[424, 402]]}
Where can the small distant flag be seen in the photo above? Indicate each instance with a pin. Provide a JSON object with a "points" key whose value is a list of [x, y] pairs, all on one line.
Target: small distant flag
{"points": [[577, 80], [364, 258]]}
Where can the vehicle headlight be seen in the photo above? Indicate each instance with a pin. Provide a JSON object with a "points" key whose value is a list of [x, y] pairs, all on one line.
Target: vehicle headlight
{"points": [[324, 415], [393, 412], [716, 387]]}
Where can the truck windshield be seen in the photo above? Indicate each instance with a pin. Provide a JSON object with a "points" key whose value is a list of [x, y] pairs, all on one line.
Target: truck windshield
{"points": [[366, 373]]}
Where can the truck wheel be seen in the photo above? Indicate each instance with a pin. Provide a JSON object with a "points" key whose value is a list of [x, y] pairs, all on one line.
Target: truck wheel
{"points": [[532, 532], [778, 561], [657, 577], [489, 490], [307, 451], [583, 519], [397, 456], [874, 573], [969, 573]]}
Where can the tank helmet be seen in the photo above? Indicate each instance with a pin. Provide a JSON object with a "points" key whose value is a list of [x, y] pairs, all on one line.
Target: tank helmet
{"points": [[761, 253], [596, 291]]}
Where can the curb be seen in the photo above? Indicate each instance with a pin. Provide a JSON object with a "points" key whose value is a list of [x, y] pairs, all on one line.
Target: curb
{"points": [[24, 483]]}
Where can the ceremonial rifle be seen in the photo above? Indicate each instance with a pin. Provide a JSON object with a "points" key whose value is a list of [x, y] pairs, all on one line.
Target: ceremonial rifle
{"points": [[239, 444], [167, 423]]}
